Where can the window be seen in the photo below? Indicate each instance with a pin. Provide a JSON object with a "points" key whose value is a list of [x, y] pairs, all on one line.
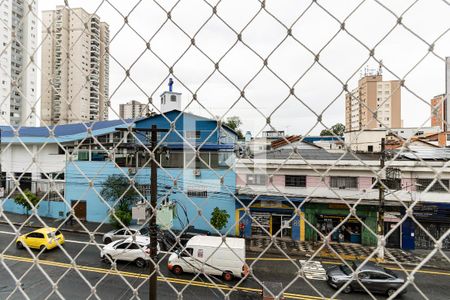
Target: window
{"points": [[143, 231], [197, 194], [134, 246], [188, 252], [362, 275], [295, 180], [173, 98], [144, 189], [438, 186], [120, 232], [370, 148], [378, 276], [257, 179], [342, 182], [38, 235], [192, 134], [123, 246]]}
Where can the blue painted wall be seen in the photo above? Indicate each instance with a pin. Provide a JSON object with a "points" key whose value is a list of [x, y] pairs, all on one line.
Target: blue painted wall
{"points": [[49, 209], [77, 188]]}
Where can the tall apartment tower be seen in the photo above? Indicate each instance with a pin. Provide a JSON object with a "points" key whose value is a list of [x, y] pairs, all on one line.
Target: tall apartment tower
{"points": [[75, 67], [18, 72], [373, 104], [133, 109]]}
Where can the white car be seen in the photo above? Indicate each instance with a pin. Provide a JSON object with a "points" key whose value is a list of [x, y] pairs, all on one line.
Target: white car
{"points": [[123, 233], [133, 249]]}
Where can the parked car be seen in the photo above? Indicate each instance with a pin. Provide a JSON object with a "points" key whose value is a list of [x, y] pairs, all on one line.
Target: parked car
{"points": [[132, 249], [42, 239], [373, 276], [123, 233], [167, 239], [211, 255]]}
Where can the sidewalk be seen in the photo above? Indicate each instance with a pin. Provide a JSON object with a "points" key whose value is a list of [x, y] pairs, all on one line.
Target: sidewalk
{"points": [[347, 251], [17, 220]]}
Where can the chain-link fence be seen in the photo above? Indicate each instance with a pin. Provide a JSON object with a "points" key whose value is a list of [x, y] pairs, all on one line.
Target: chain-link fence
{"points": [[224, 149]]}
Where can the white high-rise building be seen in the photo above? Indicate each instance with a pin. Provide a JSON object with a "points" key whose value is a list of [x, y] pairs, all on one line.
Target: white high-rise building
{"points": [[75, 67], [18, 71], [133, 110]]}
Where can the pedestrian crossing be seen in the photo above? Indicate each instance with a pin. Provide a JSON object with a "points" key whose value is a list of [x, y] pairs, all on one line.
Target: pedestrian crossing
{"points": [[313, 270]]}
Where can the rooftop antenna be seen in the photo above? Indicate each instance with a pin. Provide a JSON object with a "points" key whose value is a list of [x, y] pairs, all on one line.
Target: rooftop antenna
{"points": [[170, 84], [380, 67]]}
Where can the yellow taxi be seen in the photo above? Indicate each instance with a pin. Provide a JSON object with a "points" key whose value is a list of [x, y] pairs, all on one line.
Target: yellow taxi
{"points": [[42, 239]]}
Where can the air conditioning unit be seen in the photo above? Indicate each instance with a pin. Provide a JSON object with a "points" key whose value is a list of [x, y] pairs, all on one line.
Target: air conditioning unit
{"points": [[197, 172]]}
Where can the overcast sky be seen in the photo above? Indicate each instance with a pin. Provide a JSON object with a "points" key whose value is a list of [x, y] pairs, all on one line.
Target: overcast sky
{"points": [[317, 89]]}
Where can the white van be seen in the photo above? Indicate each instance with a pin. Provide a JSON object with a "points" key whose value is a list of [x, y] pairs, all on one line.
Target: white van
{"points": [[211, 255]]}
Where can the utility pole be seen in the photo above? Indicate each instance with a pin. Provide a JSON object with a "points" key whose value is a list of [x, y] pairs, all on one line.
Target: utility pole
{"points": [[381, 198], [2, 188], [153, 230]]}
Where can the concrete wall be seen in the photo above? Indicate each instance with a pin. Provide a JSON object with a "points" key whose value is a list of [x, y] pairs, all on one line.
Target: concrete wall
{"points": [[199, 210]]}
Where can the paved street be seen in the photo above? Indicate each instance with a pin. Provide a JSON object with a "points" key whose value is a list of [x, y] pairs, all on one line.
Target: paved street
{"points": [[74, 284]]}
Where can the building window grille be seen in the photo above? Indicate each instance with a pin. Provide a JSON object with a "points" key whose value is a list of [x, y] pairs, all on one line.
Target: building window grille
{"points": [[197, 193], [342, 182], [257, 179], [192, 134], [440, 186], [295, 181]]}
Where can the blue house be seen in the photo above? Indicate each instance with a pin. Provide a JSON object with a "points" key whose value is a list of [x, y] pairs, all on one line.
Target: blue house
{"points": [[73, 161], [195, 156]]}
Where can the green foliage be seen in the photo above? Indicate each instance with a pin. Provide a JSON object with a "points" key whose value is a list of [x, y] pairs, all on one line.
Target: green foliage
{"points": [[337, 129], [219, 218], [123, 215], [113, 188], [234, 123], [22, 200]]}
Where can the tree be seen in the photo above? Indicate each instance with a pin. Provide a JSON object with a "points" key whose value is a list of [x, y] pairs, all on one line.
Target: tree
{"points": [[337, 129], [219, 218], [21, 199], [115, 187], [234, 123]]}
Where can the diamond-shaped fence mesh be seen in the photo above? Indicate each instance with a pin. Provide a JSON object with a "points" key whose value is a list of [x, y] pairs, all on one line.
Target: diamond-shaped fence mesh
{"points": [[224, 149]]}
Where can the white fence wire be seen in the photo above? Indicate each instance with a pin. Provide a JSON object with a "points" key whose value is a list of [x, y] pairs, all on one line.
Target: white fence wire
{"points": [[239, 216]]}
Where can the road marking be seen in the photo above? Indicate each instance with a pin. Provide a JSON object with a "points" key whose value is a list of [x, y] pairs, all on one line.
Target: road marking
{"points": [[313, 270], [81, 242], [262, 258], [338, 262], [145, 276]]}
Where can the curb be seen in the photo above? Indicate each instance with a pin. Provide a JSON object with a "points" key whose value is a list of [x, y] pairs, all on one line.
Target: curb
{"points": [[62, 228]]}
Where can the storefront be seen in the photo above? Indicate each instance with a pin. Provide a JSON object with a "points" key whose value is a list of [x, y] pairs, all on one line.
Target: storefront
{"points": [[349, 232], [327, 216], [435, 219], [269, 215]]}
